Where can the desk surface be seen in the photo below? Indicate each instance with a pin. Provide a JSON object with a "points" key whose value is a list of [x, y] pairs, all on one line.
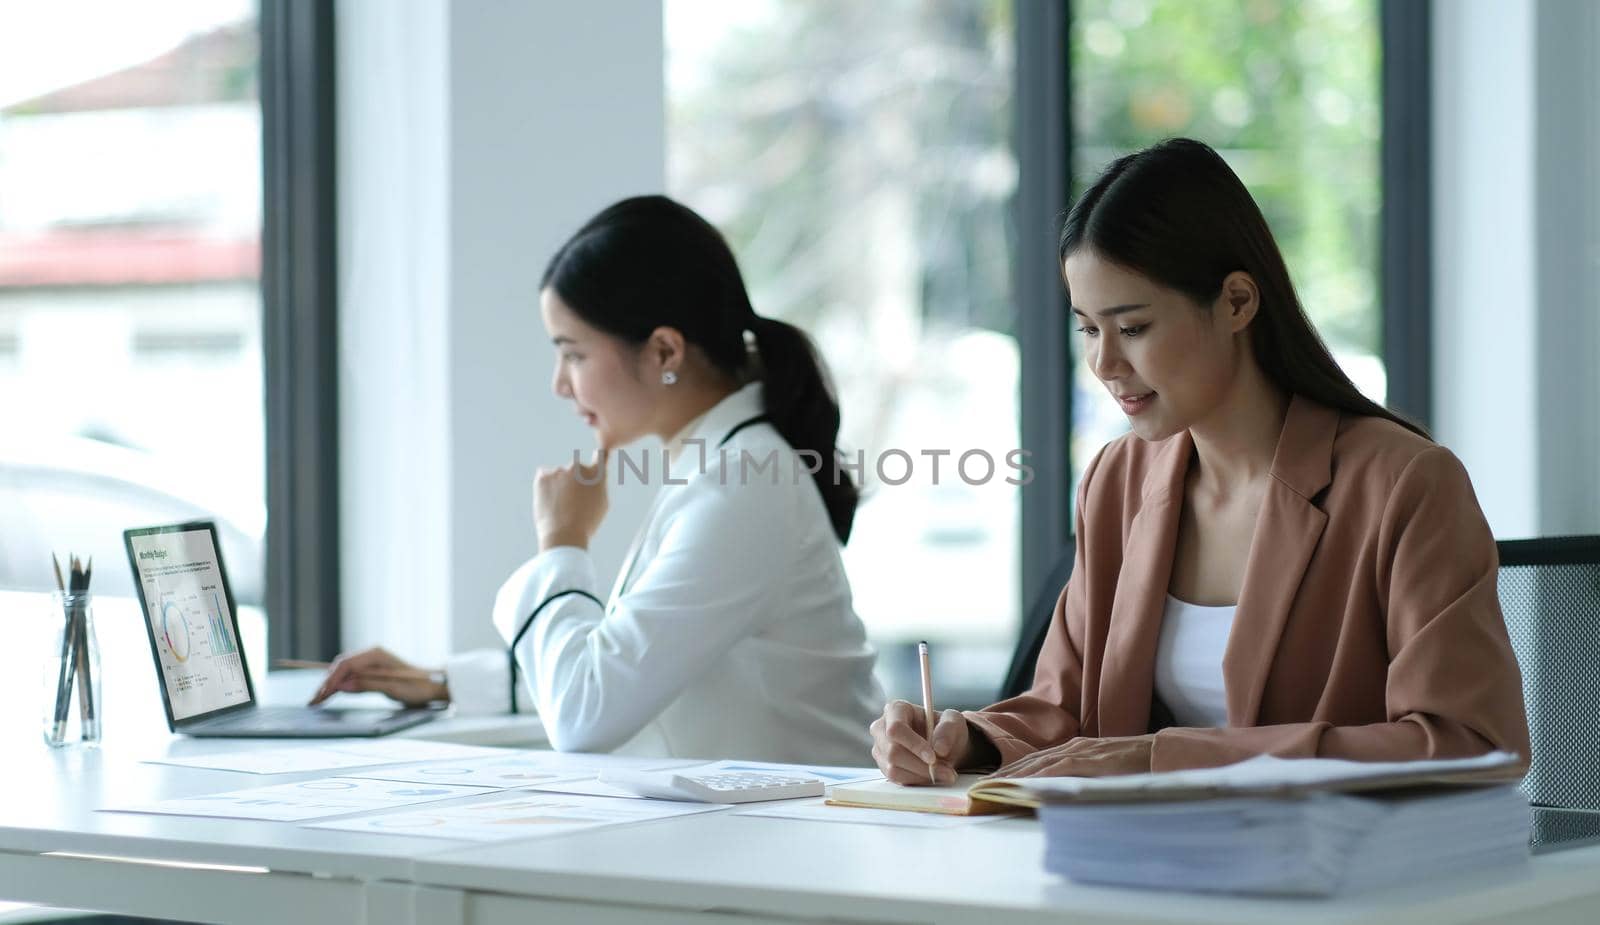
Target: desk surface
{"points": [[48, 797], [752, 866], [668, 870], [990, 872]]}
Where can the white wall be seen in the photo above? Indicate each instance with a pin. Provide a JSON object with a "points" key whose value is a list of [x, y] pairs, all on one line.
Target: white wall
{"points": [[1567, 254], [473, 138], [1517, 257]]}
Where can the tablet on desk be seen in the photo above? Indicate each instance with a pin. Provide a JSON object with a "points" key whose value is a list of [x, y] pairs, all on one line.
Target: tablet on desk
{"points": [[194, 637]]}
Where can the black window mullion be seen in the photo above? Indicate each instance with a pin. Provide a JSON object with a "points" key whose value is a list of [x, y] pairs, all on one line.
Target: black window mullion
{"points": [[1044, 156], [1407, 211], [299, 337]]}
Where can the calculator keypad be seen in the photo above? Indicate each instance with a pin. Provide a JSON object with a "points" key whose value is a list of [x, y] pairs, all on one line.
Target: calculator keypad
{"points": [[730, 782]]}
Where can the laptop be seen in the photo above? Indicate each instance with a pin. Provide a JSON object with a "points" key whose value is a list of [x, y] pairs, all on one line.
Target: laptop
{"points": [[194, 636]]}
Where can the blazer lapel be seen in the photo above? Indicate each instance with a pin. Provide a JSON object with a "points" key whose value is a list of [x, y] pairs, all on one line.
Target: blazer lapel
{"points": [[1127, 678], [629, 562], [1286, 535], [746, 402]]}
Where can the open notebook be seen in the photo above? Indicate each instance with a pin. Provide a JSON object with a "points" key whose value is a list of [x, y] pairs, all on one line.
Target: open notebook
{"points": [[973, 794], [957, 799]]}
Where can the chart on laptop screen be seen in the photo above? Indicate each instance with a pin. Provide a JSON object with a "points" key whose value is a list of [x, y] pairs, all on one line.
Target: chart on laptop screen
{"points": [[187, 607]]}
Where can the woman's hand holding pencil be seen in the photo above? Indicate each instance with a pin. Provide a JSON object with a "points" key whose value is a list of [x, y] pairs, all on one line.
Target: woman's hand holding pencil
{"points": [[903, 749]]}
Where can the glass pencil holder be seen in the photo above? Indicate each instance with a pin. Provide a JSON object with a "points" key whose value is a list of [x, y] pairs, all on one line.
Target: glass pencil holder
{"points": [[71, 675]]}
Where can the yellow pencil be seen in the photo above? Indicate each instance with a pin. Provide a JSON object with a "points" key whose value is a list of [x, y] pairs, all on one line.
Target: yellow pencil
{"points": [[927, 702]]}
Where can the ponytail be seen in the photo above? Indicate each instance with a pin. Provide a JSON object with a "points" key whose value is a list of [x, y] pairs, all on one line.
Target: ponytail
{"points": [[802, 407]]}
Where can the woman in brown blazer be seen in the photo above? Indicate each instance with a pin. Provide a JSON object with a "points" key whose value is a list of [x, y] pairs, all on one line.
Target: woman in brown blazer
{"points": [[1269, 563]]}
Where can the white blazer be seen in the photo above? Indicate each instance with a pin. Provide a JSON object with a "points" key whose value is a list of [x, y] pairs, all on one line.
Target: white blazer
{"points": [[730, 632]]}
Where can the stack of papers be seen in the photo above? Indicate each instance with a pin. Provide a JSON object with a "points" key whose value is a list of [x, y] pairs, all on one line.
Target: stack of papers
{"points": [[1288, 828]]}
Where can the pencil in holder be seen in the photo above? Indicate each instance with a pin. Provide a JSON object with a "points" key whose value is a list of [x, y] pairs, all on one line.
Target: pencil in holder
{"points": [[72, 689]]}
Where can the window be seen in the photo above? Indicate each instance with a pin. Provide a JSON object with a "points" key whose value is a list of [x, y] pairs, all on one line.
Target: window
{"points": [[859, 158], [130, 310], [1289, 94]]}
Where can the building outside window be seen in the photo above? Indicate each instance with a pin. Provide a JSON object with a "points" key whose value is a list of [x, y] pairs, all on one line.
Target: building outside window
{"points": [[130, 308]]}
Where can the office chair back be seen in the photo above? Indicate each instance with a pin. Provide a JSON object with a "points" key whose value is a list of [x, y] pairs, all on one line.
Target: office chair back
{"points": [[1550, 594], [1036, 624]]}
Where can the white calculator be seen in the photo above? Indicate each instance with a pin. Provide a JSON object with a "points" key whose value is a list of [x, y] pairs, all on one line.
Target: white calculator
{"points": [[710, 786]]}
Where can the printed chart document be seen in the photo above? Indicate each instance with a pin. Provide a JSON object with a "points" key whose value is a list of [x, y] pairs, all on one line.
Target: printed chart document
{"points": [[525, 816], [828, 774], [328, 756], [513, 770], [311, 799]]}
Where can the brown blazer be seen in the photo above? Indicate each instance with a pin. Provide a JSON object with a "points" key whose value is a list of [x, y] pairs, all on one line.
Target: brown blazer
{"points": [[1368, 625]]}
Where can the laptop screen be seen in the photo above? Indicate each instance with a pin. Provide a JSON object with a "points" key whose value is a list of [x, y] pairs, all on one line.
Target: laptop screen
{"points": [[189, 617]]}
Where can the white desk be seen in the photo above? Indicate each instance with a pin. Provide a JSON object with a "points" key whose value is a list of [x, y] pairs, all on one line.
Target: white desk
{"points": [[675, 871], [48, 797], [779, 870], [48, 805], [670, 871]]}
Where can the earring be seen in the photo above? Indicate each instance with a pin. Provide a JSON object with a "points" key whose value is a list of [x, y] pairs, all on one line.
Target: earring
{"points": [[669, 377]]}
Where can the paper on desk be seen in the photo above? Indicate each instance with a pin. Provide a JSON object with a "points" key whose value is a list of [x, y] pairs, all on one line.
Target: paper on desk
{"points": [[516, 769], [327, 756], [818, 811], [311, 799], [828, 774], [525, 816], [1265, 774]]}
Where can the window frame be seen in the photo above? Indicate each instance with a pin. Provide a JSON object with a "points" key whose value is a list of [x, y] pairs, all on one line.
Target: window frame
{"points": [[1044, 188], [299, 296], [1406, 213]]}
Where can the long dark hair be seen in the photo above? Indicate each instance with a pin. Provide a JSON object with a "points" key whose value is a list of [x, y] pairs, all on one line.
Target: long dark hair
{"points": [[1178, 215], [650, 262]]}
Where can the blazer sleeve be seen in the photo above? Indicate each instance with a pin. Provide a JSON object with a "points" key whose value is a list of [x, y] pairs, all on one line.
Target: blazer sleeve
{"points": [[1046, 714], [1453, 688], [600, 677], [480, 680], [542, 587]]}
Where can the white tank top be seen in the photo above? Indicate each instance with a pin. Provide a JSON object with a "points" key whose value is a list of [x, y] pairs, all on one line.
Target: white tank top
{"points": [[1189, 662]]}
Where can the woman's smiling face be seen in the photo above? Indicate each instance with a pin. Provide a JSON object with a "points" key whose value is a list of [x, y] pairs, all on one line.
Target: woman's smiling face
{"points": [[1167, 361]]}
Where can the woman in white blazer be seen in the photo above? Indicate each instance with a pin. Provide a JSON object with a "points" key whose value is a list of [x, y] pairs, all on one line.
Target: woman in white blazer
{"points": [[729, 631]]}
